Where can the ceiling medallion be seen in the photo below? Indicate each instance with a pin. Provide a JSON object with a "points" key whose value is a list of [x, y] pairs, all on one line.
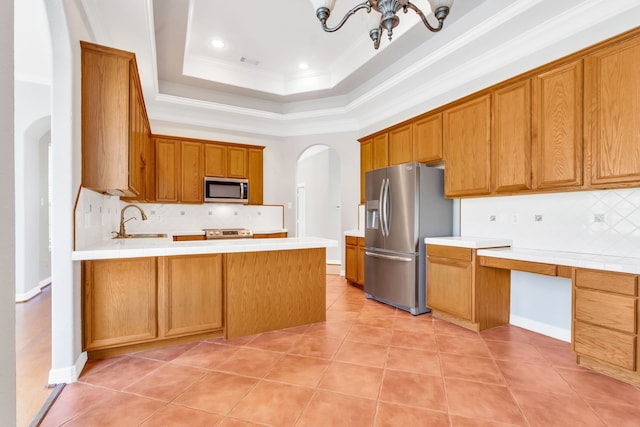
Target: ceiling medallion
{"points": [[382, 15]]}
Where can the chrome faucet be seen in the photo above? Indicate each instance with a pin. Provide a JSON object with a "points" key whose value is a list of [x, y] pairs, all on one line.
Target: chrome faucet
{"points": [[122, 233]]}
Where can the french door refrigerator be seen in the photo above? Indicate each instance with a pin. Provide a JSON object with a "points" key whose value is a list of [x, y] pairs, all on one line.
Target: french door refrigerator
{"points": [[404, 204]]}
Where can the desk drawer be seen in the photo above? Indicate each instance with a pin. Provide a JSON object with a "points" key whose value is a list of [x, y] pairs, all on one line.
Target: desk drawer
{"points": [[626, 284], [463, 254], [604, 309], [615, 348]]}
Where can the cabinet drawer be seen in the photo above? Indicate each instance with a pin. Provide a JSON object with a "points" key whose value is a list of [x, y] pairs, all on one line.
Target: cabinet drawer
{"points": [[351, 240], [626, 284], [615, 348], [604, 309], [463, 254]]}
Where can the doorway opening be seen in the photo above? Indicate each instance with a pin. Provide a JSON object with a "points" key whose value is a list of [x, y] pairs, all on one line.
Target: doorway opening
{"points": [[318, 197]]}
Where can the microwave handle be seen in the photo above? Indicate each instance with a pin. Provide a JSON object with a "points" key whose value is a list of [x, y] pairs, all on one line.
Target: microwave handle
{"points": [[242, 187]]}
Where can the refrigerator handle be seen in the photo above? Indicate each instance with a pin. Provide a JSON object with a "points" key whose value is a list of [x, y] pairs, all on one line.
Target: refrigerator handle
{"points": [[389, 257], [381, 206], [385, 206]]}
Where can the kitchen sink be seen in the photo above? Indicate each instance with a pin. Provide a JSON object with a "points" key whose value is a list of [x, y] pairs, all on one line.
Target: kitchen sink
{"points": [[141, 236]]}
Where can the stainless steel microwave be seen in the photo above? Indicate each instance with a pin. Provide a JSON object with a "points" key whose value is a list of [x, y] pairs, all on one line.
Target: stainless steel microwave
{"points": [[226, 190]]}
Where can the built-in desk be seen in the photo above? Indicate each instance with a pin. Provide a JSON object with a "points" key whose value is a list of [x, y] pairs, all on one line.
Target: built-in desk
{"points": [[605, 308]]}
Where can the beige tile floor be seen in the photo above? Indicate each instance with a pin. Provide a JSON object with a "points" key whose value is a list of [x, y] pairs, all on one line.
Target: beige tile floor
{"points": [[367, 365]]}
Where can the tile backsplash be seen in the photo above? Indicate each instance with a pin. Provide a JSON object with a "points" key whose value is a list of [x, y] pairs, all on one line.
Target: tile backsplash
{"points": [[97, 215], [603, 222]]}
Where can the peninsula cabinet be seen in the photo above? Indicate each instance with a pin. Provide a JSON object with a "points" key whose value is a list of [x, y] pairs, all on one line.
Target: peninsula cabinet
{"points": [[463, 292], [612, 98], [557, 125], [115, 127], [605, 323], [119, 302], [466, 147], [511, 138], [190, 296]]}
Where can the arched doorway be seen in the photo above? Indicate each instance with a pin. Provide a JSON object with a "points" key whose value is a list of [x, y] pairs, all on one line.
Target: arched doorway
{"points": [[318, 177]]}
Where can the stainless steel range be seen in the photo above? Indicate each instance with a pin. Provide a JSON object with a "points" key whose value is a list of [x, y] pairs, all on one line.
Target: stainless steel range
{"points": [[227, 233]]}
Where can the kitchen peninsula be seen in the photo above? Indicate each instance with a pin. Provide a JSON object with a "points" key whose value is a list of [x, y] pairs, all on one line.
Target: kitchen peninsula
{"points": [[150, 292]]}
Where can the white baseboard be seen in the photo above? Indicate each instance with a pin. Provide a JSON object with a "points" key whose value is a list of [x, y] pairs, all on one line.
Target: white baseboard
{"points": [[541, 328], [334, 261], [34, 291], [69, 374]]}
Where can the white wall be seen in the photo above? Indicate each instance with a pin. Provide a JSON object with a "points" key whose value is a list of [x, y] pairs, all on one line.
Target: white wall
{"points": [[32, 128], [568, 224], [7, 221]]}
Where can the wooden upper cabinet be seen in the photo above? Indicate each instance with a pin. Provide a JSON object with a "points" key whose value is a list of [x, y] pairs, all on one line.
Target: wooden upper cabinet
{"points": [[215, 160], [191, 172], [366, 164], [167, 169], [380, 151], [612, 114], [137, 130], [427, 139], [557, 127], [400, 145], [255, 176], [466, 146], [236, 162], [150, 167], [106, 77], [511, 138]]}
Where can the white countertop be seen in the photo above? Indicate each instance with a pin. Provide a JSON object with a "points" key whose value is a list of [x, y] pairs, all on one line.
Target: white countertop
{"points": [[468, 241], [354, 233], [571, 259], [201, 232], [134, 248]]}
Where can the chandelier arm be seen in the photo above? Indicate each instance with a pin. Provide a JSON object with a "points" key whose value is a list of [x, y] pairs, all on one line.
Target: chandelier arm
{"points": [[424, 18], [363, 5]]}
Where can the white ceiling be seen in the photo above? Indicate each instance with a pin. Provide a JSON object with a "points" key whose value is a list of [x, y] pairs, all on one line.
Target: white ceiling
{"points": [[349, 86]]}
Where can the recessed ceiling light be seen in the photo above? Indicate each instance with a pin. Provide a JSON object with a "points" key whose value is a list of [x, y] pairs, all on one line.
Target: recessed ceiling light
{"points": [[303, 65], [217, 43]]}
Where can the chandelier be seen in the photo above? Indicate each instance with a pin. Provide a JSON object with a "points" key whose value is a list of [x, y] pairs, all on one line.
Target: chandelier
{"points": [[382, 15]]}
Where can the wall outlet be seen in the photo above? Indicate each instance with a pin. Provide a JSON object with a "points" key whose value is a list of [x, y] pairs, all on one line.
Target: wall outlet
{"points": [[598, 218], [537, 218], [492, 218], [515, 218]]}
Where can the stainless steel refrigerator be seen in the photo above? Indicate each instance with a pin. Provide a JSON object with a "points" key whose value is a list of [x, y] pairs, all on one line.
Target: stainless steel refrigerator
{"points": [[404, 204]]}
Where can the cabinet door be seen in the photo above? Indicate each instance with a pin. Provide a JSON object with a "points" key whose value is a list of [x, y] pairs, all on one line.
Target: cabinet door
{"points": [[557, 124], [191, 294], [351, 260], [612, 94], [360, 259], [427, 139], [511, 138], [215, 160], [149, 166], [236, 162], [380, 151], [105, 120], [167, 169], [466, 144], [255, 176], [450, 286], [366, 164], [400, 145], [191, 172], [119, 302], [137, 128]]}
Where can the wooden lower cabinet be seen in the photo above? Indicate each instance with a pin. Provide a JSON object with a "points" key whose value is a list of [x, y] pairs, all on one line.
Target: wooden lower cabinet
{"points": [[144, 300], [354, 259], [119, 302], [190, 296], [279, 235], [605, 323], [463, 292]]}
